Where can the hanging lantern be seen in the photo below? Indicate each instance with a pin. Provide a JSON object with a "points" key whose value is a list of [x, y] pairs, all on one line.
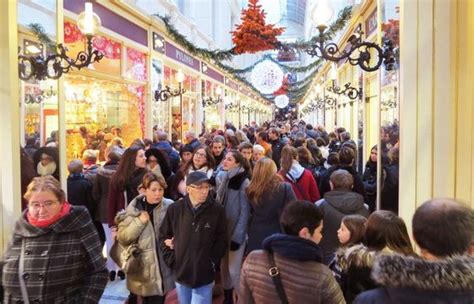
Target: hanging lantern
{"points": [[267, 77], [282, 101]]}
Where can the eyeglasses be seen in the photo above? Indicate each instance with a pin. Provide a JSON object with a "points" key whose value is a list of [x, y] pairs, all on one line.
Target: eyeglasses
{"points": [[198, 155], [201, 188], [46, 204]]}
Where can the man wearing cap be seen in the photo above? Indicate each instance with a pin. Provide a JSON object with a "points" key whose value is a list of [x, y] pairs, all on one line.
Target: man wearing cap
{"points": [[193, 239]]}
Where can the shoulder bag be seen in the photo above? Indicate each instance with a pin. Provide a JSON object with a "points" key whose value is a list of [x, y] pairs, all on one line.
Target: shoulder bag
{"points": [[274, 273]]}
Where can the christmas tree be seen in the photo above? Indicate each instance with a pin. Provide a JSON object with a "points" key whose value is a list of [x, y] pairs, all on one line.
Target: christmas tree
{"points": [[253, 35]]}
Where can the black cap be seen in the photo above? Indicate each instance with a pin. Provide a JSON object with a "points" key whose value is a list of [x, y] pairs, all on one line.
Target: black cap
{"points": [[196, 178]]}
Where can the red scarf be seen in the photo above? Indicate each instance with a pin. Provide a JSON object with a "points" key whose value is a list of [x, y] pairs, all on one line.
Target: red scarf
{"points": [[45, 223]]}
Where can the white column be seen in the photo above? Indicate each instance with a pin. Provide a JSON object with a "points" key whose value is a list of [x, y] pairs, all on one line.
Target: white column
{"points": [[10, 193]]}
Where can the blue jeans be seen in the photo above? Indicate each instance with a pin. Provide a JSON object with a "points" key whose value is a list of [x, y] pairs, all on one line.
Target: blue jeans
{"points": [[200, 295]]}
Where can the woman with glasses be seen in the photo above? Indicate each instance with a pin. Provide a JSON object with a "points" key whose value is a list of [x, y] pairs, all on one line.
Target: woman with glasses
{"points": [[202, 161], [55, 255]]}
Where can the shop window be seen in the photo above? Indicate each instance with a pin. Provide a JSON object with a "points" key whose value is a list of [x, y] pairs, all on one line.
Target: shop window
{"points": [[99, 110], [111, 49], [136, 65]]}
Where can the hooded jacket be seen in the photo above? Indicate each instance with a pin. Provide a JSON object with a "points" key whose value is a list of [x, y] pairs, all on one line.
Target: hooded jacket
{"points": [[412, 280], [356, 264], [149, 274], [304, 278], [335, 205], [200, 240], [303, 183], [63, 262]]}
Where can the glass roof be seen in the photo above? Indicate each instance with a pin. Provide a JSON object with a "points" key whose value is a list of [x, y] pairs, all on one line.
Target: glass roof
{"points": [[295, 10]]}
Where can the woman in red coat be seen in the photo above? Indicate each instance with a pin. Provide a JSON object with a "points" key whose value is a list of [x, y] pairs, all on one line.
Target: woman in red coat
{"points": [[301, 179]]}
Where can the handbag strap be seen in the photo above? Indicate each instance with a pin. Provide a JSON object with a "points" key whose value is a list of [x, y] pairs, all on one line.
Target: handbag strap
{"points": [[21, 270], [274, 273]]}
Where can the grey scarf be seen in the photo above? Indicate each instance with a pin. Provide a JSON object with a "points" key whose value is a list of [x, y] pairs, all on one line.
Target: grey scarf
{"points": [[222, 182]]}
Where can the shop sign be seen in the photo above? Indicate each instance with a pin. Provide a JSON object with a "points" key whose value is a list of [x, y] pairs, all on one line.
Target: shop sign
{"points": [[371, 23], [231, 84], [206, 70], [158, 43], [111, 21], [179, 55]]}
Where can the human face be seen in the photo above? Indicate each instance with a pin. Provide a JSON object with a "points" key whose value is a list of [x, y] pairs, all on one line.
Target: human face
{"points": [[343, 234], [152, 162], [373, 155], [317, 234], [198, 193], [229, 162], [257, 155], [140, 159], [154, 193], [272, 136], [246, 153], [217, 149], [45, 160], [186, 156], [200, 158], [43, 205]]}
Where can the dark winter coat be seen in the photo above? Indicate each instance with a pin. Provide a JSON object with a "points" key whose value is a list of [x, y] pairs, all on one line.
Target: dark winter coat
{"points": [[335, 205], [277, 146], [389, 196], [149, 275], [173, 155], [357, 187], [356, 264], [200, 241], [265, 217], [100, 189], [116, 200], [411, 280], [79, 192], [304, 278], [63, 262]]}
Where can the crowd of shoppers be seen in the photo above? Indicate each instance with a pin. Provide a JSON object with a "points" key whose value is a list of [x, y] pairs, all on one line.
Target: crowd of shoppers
{"points": [[266, 214]]}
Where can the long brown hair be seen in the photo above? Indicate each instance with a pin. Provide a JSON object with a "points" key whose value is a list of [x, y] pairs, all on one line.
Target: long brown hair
{"points": [[126, 167], [385, 229], [264, 177], [288, 154], [355, 223]]}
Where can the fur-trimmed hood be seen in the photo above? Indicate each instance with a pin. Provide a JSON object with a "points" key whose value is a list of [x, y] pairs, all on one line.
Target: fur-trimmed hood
{"points": [[355, 256], [454, 273]]}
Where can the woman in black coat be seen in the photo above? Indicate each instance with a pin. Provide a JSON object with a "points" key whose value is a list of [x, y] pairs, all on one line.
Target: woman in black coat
{"points": [[267, 194]]}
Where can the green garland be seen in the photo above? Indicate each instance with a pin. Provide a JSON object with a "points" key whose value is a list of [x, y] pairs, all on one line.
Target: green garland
{"points": [[43, 37]]}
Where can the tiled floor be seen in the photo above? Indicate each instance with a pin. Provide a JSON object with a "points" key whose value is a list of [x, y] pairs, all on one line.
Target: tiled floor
{"points": [[116, 293]]}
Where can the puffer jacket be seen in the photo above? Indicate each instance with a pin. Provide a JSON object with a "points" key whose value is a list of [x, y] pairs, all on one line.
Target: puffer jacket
{"points": [[336, 205], [63, 262], [149, 275], [304, 278], [411, 280]]}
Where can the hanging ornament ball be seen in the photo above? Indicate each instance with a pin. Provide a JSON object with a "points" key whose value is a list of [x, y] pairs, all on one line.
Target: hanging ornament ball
{"points": [[267, 77], [282, 101]]}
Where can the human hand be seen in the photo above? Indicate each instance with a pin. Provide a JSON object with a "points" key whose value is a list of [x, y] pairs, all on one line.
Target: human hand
{"points": [[144, 217], [170, 243]]}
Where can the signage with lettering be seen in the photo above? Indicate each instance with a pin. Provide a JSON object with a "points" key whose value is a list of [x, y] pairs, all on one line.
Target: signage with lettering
{"points": [[206, 70], [181, 56], [231, 84]]}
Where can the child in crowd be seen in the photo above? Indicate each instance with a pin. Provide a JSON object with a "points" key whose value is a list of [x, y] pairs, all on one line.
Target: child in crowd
{"points": [[351, 232]]}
